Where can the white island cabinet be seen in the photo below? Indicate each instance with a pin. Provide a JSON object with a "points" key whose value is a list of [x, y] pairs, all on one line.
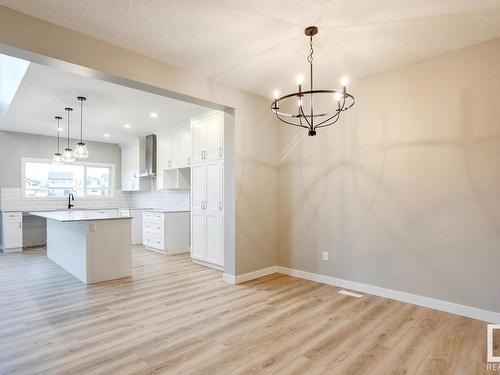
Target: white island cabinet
{"points": [[90, 245], [12, 231]]}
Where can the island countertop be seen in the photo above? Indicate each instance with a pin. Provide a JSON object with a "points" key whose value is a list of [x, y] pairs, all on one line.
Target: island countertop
{"points": [[84, 215]]}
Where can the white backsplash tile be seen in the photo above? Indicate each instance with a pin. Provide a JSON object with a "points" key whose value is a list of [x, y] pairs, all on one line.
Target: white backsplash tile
{"points": [[10, 200], [160, 199]]}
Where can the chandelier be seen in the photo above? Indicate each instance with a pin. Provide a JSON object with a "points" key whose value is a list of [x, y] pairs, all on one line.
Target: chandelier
{"points": [[306, 117]]}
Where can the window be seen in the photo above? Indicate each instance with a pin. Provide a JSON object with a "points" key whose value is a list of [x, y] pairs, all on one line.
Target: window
{"points": [[98, 181], [42, 179]]}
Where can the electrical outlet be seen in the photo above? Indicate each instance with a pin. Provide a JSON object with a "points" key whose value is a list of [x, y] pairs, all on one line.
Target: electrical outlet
{"points": [[325, 255], [91, 227]]}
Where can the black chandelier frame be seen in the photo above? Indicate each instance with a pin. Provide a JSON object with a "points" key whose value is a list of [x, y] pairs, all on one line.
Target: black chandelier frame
{"points": [[307, 120]]}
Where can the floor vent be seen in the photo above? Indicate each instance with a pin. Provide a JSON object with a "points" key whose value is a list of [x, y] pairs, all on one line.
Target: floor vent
{"points": [[347, 293]]}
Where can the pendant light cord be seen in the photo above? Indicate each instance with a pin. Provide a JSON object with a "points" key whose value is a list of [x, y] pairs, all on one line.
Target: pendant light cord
{"points": [[68, 110], [81, 121], [57, 135], [68, 130]]}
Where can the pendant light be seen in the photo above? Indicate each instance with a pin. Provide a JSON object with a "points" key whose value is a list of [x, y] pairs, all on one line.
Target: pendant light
{"points": [[81, 151], [68, 155], [57, 158]]}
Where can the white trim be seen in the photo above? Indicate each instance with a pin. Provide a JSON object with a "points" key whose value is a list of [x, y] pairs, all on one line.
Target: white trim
{"points": [[207, 264], [450, 307], [256, 274], [250, 275], [352, 294], [231, 279]]}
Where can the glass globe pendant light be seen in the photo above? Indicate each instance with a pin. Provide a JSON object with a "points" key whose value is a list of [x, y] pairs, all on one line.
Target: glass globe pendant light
{"points": [[81, 151], [68, 155], [57, 158]]}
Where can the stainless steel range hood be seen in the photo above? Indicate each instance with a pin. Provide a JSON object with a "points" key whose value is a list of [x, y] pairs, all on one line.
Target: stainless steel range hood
{"points": [[151, 155]]}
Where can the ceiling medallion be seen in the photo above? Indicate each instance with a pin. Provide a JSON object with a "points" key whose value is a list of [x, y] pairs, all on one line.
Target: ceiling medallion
{"points": [[311, 121]]}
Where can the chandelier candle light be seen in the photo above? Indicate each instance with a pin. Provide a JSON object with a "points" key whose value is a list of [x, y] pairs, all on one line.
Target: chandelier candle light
{"points": [[57, 158], [68, 155], [311, 120], [81, 151]]}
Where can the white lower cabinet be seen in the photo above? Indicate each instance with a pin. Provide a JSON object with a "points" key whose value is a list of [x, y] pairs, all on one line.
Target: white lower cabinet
{"points": [[12, 231], [207, 213], [136, 224], [166, 232]]}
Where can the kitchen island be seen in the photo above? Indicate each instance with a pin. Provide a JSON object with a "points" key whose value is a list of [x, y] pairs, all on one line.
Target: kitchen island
{"points": [[91, 245]]}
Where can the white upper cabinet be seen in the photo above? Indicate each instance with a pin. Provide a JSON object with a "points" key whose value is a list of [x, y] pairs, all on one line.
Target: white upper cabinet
{"points": [[132, 164], [207, 137], [214, 138], [173, 152], [198, 130]]}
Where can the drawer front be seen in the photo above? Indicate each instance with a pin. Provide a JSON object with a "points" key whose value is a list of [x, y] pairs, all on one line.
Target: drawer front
{"points": [[13, 215], [124, 212], [153, 226], [153, 234], [155, 243], [153, 215]]}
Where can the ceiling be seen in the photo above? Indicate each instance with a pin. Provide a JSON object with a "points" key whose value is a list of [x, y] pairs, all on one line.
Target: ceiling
{"points": [[44, 93], [258, 45]]}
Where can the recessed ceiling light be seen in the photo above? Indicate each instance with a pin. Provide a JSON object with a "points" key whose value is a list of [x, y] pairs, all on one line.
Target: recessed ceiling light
{"points": [[59, 129], [106, 135], [153, 114], [126, 126]]}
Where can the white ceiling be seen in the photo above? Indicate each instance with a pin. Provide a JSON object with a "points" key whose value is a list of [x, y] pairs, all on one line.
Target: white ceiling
{"points": [[258, 45], [44, 93]]}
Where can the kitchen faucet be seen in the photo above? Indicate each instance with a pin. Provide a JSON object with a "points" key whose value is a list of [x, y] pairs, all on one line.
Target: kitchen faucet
{"points": [[71, 197]]}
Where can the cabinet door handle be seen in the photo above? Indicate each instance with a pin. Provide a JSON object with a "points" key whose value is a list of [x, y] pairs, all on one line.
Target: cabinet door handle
{"points": [[188, 161], [201, 205], [220, 151], [202, 155], [221, 206], [20, 224]]}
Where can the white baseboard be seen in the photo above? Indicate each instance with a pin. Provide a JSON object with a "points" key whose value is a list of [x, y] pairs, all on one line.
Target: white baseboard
{"points": [[231, 279], [450, 307], [454, 308], [250, 275], [207, 264]]}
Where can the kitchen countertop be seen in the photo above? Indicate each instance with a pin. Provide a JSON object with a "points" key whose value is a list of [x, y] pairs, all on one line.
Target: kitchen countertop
{"points": [[79, 209], [78, 215], [167, 211]]}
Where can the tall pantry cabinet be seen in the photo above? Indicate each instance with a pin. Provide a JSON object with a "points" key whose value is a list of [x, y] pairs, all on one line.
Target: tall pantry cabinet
{"points": [[207, 193]]}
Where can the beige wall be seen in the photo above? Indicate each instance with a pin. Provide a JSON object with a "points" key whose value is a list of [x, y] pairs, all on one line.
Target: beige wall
{"points": [[405, 192], [255, 128]]}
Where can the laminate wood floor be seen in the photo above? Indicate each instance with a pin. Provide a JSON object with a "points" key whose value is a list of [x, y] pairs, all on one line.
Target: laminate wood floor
{"points": [[176, 317]]}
